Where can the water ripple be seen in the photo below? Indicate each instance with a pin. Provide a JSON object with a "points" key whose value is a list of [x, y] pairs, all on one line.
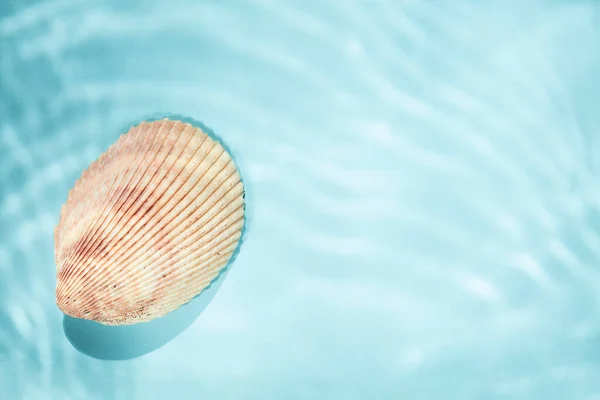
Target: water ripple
{"points": [[423, 177]]}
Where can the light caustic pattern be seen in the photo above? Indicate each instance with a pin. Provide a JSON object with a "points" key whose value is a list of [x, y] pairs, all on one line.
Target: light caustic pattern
{"points": [[422, 181]]}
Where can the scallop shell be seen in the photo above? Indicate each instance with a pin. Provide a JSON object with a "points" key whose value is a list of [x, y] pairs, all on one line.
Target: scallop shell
{"points": [[148, 225]]}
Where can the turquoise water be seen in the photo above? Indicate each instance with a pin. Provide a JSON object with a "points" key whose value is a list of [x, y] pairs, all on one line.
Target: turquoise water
{"points": [[422, 177]]}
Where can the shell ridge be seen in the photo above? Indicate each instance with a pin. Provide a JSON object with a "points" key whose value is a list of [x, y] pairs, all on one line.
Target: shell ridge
{"points": [[121, 200], [112, 153], [127, 266], [132, 201], [117, 258], [197, 274], [192, 283], [203, 281], [210, 237], [190, 209], [84, 180], [139, 226], [164, 227], [160, 231], [102, 217], [125, 198], [220, 241], [195, 286], [68, 219], [121, 227], [186, 221], [106, 162], [137, 259]]}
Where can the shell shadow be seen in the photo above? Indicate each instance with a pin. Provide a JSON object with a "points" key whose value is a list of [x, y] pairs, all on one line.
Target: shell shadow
{"points": [[125, 342]]}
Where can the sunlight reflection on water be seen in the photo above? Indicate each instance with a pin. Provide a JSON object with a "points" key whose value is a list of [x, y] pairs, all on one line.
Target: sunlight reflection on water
{"points": [[425, 211]]}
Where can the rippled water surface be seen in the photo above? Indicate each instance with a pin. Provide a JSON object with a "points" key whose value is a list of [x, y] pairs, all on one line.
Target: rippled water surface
{"points": [[422, 183]]}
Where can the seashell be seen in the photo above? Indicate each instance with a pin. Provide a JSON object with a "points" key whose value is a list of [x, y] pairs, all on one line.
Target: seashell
{"points": [[148, 226]]}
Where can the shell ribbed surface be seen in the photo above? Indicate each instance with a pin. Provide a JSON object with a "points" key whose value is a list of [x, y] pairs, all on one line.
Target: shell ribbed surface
{"points": [[148, 225]]}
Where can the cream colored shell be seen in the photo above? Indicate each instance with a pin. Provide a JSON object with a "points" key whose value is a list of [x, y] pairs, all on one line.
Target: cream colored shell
{"points": [[148, 225]]}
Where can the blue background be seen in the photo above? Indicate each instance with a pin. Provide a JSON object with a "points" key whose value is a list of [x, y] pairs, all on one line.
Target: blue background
{"points": [[424, 191]]}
